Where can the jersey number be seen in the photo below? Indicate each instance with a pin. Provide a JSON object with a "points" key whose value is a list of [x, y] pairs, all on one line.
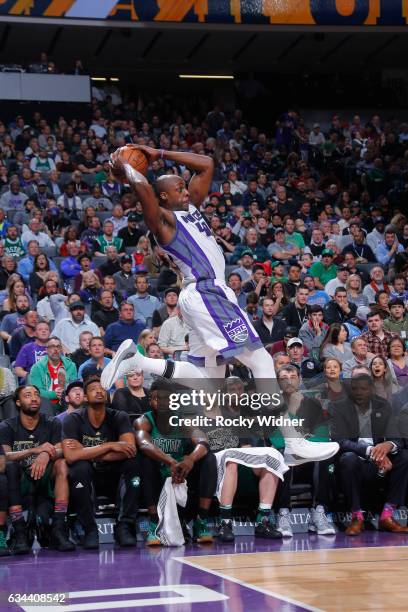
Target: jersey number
{"points": [[201, 225]]}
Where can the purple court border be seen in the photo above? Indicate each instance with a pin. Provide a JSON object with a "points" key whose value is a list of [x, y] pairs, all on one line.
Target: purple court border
{"points": [[111, 568]]}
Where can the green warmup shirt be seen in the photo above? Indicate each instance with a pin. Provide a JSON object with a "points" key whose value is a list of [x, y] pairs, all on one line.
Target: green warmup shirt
{"points": [[171, 445]]}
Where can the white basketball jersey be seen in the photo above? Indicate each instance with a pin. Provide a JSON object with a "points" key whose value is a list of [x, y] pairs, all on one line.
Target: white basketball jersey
{"points": [[194, 248]]}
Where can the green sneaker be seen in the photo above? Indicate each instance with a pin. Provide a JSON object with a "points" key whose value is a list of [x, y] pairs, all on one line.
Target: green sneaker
{"points": [[4, 549], [152, 539], [201, 533]]}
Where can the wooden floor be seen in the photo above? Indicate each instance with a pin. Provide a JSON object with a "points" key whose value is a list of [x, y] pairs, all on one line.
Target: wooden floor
{"points": [[352, 580]]}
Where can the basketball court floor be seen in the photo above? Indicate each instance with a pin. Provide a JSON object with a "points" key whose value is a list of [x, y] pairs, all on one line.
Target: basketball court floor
{"points": [[329, 573]]}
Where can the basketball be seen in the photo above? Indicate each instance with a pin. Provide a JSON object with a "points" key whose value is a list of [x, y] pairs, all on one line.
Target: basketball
{"points": [[136, 158]]}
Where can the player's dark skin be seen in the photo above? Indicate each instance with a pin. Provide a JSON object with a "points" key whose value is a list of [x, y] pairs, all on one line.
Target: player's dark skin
{"points": [[29, 405], [172, 190], [179, 470]]}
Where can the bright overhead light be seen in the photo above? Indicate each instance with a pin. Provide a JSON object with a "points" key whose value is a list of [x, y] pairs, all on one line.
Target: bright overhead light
{"points": [[114, 79], [206, 76], [98, 79]]}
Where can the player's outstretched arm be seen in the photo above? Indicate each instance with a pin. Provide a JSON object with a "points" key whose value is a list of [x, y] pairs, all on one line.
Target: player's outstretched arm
{"points": [[202, 165], [159, 221]]}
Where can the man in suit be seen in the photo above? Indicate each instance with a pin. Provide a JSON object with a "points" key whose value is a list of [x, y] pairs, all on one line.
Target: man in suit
{"points": [[363, 427]]}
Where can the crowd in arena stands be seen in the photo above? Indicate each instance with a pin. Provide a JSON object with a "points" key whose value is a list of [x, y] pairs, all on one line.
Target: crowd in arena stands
{"points": [[313, 225]]}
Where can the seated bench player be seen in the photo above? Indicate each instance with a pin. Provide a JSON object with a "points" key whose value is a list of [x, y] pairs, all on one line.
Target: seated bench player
{"points": [[175, 452], [32, 444], [99, 447]]}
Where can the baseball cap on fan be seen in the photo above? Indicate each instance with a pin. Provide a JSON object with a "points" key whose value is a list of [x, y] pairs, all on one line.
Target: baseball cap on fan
{"points": [[294, 341]]}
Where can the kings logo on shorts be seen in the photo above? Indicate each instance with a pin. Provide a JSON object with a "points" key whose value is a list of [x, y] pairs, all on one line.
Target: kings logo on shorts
{"points": [[237, 330]]}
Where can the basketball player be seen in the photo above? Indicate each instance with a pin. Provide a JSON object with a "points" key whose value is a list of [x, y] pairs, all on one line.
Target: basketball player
{"points": [[220, 330]]}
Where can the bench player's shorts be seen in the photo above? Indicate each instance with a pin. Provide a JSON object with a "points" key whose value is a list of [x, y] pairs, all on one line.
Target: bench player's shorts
{"points": [[218, 328]]}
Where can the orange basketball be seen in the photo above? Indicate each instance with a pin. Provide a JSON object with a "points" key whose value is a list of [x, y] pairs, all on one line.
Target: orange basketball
{"points": [[137, 159]]}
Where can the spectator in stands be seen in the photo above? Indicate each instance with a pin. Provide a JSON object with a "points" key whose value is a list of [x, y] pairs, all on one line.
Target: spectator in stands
{"points": [[33, 351], [82, 353], [100, 433], [385, 385], [52, 372], [351, 261], [125, 281], [4, 224], [107, 239], [73, 398], [398, 319], [353, 427], [258, 281], [252, 244], [359, 248], [44, 309], [387, 249], [399, 288], [69, 202], [235, 283], [133, 398], [314, 331], [361, 356], [71, 235], [169, 308], [91, 288], [70, 265], [296, 313], [112, 263], [97, 200], [316, 296], [376, 337], [398, 361], [377, 284], [118, 220], [247, 262], [354, 288], [15, 287], [281, 249], [14, 320], [376, 236], [336, 344], [126, 327], [104, 312], [172, 335], [269, 327], [339, 309], [307, 367], [144, 303], [130, 233], [26, 264], [23, 334], [14, 198], [42, 162], [68, 329], [97, 360], [39, 274], [340, 281], [325, 270], [85, 261], [7, 269]]}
